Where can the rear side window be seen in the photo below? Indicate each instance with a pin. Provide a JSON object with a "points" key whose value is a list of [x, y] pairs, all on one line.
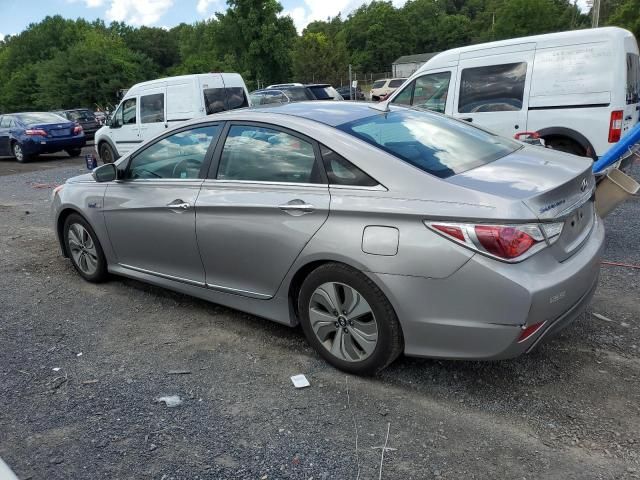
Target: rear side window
{"points": [[433, 143], [5, 122], [633, 78], [214, 100], [236, 98], [493, 88], [261, 154], [342, 172], [152, 108], [396, 83]]}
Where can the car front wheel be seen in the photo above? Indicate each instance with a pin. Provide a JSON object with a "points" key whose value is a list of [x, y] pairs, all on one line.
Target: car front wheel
{"points": [[348, 320], [84, 249]]}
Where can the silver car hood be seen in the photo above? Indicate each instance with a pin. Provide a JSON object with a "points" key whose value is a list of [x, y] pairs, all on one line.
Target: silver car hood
{"points": [[548, 182]]}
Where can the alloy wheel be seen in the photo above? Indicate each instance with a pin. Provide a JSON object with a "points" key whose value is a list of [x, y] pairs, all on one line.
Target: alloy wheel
{"points": [[343, 321], [17, 152], [83, 249]]}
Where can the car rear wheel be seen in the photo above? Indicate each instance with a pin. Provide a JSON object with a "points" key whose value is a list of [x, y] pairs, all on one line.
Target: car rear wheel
{"points": [[107, 154], [348, 320], [84, 249], [18, 153], [74, 152]]}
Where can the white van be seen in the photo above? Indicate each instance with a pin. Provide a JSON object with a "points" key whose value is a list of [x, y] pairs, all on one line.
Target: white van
{"points": [[579, 90], [149, 107]]}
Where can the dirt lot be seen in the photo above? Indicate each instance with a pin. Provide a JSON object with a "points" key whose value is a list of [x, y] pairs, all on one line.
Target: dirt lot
{"points": [[570, 410]]}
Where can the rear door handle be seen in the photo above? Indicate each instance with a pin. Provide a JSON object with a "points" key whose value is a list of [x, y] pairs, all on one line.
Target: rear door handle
{"points": [[179, 204], [297, 207]]}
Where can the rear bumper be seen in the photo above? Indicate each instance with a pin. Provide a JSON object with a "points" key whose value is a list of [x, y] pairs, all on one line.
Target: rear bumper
{"points": [[38, 145], [479, 312]]}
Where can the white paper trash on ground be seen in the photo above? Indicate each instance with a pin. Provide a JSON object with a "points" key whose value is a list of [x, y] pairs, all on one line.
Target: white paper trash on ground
{"points": [[300, 381]]}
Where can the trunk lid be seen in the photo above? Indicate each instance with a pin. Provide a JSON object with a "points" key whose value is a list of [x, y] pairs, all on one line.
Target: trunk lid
{"points": [[56, 130], [554, 186]]}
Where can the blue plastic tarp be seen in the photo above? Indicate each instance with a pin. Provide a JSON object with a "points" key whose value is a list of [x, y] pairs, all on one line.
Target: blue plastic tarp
{"points": [[616, 152]]}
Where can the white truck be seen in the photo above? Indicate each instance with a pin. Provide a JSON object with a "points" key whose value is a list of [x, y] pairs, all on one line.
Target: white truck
{"points": [[579, 90], [148, 108]]}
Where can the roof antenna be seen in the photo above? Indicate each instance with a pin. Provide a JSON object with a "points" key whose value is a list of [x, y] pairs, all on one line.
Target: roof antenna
{"points": [[383, 106]]}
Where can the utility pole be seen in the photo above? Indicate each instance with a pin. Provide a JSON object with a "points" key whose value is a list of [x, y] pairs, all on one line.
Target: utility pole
{"points": [[350, 84], [595, 12]]}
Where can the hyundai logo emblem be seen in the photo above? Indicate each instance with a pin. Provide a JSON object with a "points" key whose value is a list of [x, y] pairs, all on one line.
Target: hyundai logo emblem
{"points": [[584, 185]]}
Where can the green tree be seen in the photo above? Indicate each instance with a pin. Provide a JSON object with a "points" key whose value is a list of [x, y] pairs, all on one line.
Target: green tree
{"points": [[318, 58], [627, 15]]}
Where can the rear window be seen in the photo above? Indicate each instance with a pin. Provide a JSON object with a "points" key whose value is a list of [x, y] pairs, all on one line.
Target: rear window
{"points": [[396, 83], [80, 115], [433, 143], [221, 99], [298, 94], [378, 84], [633, 78], [41, 117], [325, 93]]}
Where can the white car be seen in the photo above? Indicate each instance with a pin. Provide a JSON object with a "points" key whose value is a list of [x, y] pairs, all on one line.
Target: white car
{"points": [[579, 90], [149, 108], [381, 89]]}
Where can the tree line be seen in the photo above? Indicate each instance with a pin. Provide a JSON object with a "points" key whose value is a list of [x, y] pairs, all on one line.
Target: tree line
{"points": [[61, 63]]}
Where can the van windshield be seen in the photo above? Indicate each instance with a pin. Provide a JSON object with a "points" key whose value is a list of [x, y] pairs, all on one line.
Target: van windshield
{"points": [[633, 78], [433, 143]]}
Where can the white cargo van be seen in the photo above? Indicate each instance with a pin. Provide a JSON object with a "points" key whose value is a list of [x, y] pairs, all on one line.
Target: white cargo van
{"points": [[150, 107], [579, 89]]}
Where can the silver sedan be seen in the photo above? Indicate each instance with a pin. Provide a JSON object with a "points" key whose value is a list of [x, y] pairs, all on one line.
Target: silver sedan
{"points": [[379, 232]]}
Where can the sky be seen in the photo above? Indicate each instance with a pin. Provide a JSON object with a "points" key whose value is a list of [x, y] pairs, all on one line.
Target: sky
{"points": [[16, 15]]}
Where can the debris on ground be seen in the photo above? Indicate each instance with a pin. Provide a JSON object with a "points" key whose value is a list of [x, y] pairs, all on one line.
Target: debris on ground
{"points": [[300, 381], [170, 400]]}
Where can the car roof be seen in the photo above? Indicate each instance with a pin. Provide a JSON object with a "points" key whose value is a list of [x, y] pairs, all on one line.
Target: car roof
{"points": [[329, 113], [317, 84]]}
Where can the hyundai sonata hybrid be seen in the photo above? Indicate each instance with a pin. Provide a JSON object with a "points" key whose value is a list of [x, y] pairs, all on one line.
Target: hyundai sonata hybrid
{"points": [[379, 232]]}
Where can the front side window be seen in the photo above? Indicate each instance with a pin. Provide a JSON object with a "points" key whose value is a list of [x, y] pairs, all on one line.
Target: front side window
{"points": [[435, 144], [405, 96], [152, 108], [262, 154], [128, 112], [633, 78], [493, 88], [342, 172], [177, 156], [431, 91]]}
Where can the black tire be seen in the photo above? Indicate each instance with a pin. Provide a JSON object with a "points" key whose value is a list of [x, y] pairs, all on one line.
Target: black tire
{"points": [[565, 145], [100, 274], [107, 155], [18, 153], [389, 341], [74, 152]]}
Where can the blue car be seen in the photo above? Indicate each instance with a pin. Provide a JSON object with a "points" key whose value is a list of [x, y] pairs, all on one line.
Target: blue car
{"points": [[25, 135]]}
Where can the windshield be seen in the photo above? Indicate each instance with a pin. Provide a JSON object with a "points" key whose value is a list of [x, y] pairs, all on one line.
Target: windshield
{"points": [[80, 115], [433, 143], [40, 117]]}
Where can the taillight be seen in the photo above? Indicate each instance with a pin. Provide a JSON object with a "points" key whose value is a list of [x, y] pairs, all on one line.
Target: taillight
{"points": [[77, 130], [510, 243], [529, 331], [615, 126], [35, 131]]}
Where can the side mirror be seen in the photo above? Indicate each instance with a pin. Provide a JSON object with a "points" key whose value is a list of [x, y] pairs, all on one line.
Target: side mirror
{"points": [[105, 173]]}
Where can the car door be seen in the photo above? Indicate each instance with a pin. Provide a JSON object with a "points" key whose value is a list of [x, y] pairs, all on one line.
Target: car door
{"points": [[124, 127], [4, 135], [150, 214], [265, 197], [493, 91], [152, 113], [429, 91]]}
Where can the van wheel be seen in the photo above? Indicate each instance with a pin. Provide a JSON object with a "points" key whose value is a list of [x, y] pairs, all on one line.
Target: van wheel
{"points": [[348, 320], [107, 155], [565, 145]]}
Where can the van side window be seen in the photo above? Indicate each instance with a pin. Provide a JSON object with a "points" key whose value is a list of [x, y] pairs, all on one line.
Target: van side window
{"points": [[128, 112], [342, 172], [431, 91], [404, 97], [633, 78], [152, 108], [214, 100], [493, 88], [236, 98]]}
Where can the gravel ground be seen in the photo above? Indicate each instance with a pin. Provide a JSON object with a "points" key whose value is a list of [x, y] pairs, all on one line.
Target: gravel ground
{"points": [[570, 410]]}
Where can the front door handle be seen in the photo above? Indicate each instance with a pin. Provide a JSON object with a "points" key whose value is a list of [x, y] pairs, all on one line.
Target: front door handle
{"points": [[179, 204], [467, 119], [297, 207]]}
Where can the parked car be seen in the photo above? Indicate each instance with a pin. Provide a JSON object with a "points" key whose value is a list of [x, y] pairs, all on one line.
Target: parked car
{"points": [[345, 93], [84, 117], [280, 95], [380, 232], [382, 88], [101, 117], [323, 91], [284, 85], [25, 135], [579, 90], [149, 108]]}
